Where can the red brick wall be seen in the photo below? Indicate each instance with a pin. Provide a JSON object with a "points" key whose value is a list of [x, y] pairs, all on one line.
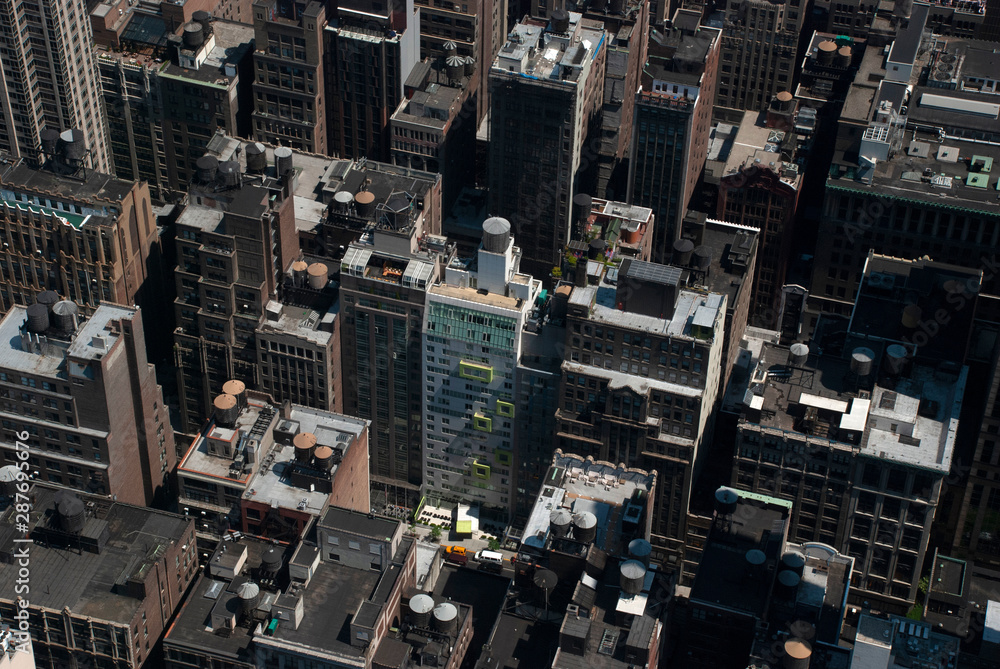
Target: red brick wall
{"points": [[350, 483]]}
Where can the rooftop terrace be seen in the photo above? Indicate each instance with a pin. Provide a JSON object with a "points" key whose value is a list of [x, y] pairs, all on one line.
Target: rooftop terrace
{"points": [[535, 50]]}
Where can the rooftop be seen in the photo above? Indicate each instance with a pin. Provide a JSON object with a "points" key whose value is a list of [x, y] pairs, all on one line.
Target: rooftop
{"points": [[901, 642], [477, 296], [755, 145], [46, 356], [84, 581], [601, 301], [297, 322], [586, 486], [535, 51], [725, 578], [232, 42], [361, 524], [249, 200], [95, 196], [911, 419]]}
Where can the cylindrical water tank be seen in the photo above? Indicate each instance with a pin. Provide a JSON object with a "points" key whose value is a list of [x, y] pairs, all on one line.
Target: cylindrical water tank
{"points": [[304, 444], [324, 458], [844, 56], [755, 557], [784, 101], [583, 204], [256, 157], [559, 21], [496, 234], [595, 251], [208, 167], [50, 140], [585, 527], [725, 501], [798, 654], [826, 52], [364, 204], [226, 410], [641, 550], [682, 250], [788, 584], [319, 276], [911, 316], [446, 618], [282, 160], [560, 521], [270, 561], [470, 66], [631, 232], [895, 359], [47, 297], [249, 594], [420, 609], [455, 67], [633, 574], [229, 174], [300, 272], [64, 316], [702, 257], [237, 389], [861, 361], [798, 354], [38, 318], [449, 48], [74, 146], [545, 580], [72, 512], [793, 561], [617, 7], [9, 476], [194, 35], [342, 200]]}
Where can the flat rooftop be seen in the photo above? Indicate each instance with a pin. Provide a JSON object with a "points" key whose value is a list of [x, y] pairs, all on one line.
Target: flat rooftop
{"points": [[586, 486], [233, 41], [473, 295], [754, 144], [601, 300], [297, 322], [51, 360], [96, 195], [84, 582], [723, 579], [361, 524], [534, 51]]}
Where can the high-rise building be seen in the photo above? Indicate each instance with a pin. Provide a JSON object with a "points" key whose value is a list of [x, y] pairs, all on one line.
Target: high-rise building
{"points": [[82, 396], [88, 236], [161, 115], [234, 239], [371, 49], [546, 92], [859, 435], [627, 28], [472, 343], [289, 101], [673, 119], [760, 189], [114, 573], [759, 53], [384, 282], [904, 193], [270, 470], [435, 123], [50, 80], [641, 374]]}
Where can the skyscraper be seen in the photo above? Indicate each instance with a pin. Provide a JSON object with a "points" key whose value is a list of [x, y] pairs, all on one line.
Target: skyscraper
{"points": [[50, 80], [673, 117], [472, 344], [546, 88]]}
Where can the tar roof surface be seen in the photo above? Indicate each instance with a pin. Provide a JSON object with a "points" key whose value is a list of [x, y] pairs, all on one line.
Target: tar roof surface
{"points": [[84, 582], [97, 188]]}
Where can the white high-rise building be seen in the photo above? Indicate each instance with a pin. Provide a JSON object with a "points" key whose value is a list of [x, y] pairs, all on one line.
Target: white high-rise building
{"points": [[472, 343], [50, 80]]}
